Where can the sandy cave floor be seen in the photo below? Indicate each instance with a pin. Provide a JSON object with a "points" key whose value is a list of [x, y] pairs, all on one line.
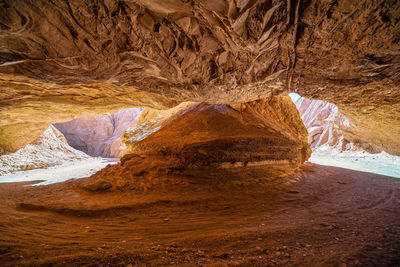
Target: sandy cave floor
{"points": [[319, 216]]}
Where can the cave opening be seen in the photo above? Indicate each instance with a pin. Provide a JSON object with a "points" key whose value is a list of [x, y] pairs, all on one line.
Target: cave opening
{"points": [[332, 143], [104, 139]]}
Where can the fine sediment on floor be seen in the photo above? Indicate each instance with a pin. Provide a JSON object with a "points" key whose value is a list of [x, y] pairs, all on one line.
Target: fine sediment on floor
{"points": [[320, 216]]}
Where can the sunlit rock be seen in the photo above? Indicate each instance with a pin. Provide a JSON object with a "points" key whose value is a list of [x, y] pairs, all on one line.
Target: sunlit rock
{"points": [[28, 107], [329, 127], [100, 135], [50, 149], [204, 137], [213, 171], [324, 123]]}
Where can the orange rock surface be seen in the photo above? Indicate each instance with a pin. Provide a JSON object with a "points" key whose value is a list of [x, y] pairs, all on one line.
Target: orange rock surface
{"points": [[204, 137]]}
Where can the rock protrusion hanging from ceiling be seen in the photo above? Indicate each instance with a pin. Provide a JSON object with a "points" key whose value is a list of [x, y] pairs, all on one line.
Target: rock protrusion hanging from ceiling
{"points": [[218, 51], [186, 50]]}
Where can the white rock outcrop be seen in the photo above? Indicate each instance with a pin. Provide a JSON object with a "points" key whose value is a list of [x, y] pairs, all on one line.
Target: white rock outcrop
{"points": [[324, 124], [100, 135], [50, 149]]}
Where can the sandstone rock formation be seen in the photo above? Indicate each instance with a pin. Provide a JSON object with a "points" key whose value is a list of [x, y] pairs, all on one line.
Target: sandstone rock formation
{"points": [[50, 149], [327, 126], [100, 135], [324, 123], [223, 51], [208, 137]]}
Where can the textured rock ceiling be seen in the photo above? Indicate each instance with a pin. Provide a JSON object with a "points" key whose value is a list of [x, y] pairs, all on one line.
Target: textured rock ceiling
{"points": [[221, 51]]}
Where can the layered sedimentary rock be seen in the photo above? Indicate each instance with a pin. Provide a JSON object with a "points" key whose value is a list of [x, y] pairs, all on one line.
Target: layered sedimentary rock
{"points": [[50, 149], [223, 51], [207, 137], [100, 135], [324, 123]]}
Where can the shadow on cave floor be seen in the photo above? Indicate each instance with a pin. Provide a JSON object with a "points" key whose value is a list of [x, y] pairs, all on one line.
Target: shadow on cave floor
{"points": [[317, 216]]}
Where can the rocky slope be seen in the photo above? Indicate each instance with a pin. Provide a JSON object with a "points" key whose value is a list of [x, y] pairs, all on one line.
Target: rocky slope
{"points": [[50, 149], [204, 138], [100, 135]]}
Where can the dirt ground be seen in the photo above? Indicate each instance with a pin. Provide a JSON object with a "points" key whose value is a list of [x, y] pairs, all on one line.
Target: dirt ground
{"points": [[318, 216]]}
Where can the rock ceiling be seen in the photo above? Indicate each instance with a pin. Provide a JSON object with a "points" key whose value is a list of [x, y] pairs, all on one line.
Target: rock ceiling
{"points": [[91, 54]]}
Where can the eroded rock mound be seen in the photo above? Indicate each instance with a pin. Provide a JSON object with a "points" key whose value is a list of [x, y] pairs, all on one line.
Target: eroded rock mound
{"points": [[207, 137]]}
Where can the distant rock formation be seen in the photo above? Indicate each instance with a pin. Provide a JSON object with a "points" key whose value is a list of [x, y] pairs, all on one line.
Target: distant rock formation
{"points": [[78, 139], [324, 123], [50, 149], [100, 135]]}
